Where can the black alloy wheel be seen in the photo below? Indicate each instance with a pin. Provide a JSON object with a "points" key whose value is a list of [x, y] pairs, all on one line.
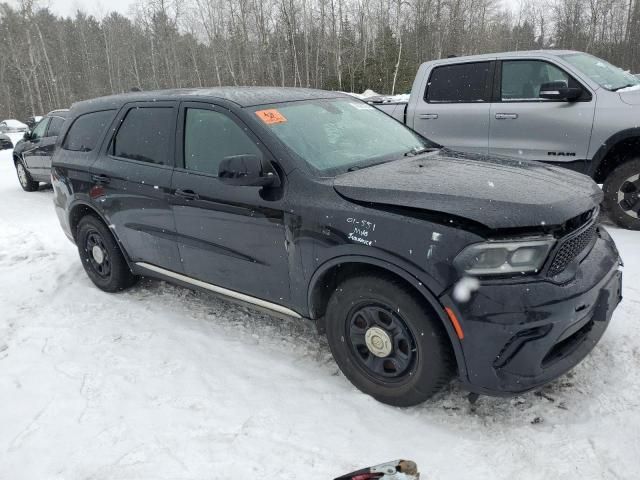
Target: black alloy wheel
{"points": [[622, 195], [388, 340]]}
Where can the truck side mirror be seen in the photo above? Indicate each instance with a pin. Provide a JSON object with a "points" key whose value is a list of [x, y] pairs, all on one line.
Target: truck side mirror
{"points": [[559, 90]]}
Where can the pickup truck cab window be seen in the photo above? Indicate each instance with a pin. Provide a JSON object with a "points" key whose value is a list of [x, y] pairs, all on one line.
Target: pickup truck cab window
{"points": [[210, 137], [327, 134], [521, 80], [459, 83]]}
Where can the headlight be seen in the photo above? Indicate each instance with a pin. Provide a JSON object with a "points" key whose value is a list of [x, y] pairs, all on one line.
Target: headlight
{"points": [[498, 258]]}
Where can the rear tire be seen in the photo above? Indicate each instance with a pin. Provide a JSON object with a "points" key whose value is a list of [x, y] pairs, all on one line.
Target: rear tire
{"points": [[622, 195], [411, 358], [24, 177], [101, 256]]}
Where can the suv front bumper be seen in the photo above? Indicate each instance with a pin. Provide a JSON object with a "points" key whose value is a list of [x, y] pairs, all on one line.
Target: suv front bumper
{"points": [[519, 336]]}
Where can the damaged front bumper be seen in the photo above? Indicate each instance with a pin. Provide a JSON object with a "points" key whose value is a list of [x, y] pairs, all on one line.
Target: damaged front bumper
{"points": [[521, 334]]}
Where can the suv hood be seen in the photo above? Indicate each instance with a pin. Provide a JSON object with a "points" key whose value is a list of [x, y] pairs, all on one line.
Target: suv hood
{"points": [[498, 192], [632, 97]]}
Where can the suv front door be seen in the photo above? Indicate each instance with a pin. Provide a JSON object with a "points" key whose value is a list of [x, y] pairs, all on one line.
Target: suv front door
{"points": [[526, 126], [132, 181], [454, 110], [37, 153], [227, 235]]}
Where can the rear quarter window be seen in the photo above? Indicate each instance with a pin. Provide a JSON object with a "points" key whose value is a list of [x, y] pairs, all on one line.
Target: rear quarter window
{"points": [[86, 130]]}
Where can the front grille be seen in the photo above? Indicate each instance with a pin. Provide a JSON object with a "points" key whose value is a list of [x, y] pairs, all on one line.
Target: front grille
{"points": [[570, 249]]}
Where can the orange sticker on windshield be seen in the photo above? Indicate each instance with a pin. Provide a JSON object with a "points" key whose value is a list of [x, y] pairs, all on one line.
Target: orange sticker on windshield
{"points": [[271, 116]]}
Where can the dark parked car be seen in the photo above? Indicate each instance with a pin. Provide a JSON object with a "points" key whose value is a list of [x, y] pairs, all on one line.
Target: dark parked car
{"points": [[32, 154], [13, 130], [419, 263], [5, 142]]}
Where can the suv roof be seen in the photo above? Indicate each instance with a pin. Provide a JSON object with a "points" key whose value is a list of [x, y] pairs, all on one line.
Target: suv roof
{"points": [[242, 96], [491, 56], [61, 112]]}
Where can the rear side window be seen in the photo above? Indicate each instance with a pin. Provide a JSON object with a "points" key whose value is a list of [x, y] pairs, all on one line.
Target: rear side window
{"points": [[211, 136], [86, 131], [54, 126], [146, 135], [462, 83]]}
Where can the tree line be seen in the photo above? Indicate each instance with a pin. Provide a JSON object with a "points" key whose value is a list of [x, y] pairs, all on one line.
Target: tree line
{"points": [[48, 61]]}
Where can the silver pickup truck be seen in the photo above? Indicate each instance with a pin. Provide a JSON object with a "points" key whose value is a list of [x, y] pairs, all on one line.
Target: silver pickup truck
{"points": [[557, 106]]}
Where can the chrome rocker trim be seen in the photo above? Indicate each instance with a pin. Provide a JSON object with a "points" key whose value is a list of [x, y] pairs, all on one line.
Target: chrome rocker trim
{"points": [[220, 290]]}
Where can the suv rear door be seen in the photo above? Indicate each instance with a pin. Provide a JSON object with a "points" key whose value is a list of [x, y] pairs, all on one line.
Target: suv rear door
{"points": [[454, 110], [228, 236], [132, 181], [526, 126]]}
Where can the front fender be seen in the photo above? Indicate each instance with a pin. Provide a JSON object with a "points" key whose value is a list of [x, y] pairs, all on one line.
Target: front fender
{"points": [[608, 145], [417, 279]]}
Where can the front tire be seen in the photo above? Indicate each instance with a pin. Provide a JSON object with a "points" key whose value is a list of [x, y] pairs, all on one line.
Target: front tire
{"points": [[622, 195], [24, 177], [387, 342], [101, 256]]}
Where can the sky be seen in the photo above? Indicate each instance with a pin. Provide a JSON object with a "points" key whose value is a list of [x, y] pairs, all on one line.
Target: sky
{"points": [[100, 7], [94, 7]]}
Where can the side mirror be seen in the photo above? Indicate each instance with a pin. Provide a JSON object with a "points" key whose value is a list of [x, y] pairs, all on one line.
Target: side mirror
{"points": [[247, 170], [559, 91], [27, 135]]}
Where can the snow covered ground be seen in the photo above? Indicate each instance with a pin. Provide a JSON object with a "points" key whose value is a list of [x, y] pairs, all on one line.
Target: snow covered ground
{"points": [[163, 383]]}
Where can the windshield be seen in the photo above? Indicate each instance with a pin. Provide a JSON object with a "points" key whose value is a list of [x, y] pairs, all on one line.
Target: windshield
{"points": [[336, 135], [603, 73]]}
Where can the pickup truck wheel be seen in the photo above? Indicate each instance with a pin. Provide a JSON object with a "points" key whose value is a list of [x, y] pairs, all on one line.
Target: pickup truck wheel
{"points": [[26, 182], [622, 195], [101, 256], [387, 342]]}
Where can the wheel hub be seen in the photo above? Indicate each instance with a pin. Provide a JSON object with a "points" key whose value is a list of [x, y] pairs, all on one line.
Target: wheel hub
{"points": [[378, 342], [381, 342], [98, 254], [629, 196]]}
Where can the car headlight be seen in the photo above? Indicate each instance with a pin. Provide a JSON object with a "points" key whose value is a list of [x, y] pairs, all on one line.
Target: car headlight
{"points": [[499, 258]]}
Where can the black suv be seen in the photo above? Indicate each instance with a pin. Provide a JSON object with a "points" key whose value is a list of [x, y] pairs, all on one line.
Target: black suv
{"points": [[419, 263], [32, 155]]}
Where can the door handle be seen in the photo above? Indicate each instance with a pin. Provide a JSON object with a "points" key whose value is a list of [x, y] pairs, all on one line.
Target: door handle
{"points": [[100, 179], [186, 194], [428, 116], [506, 116]]}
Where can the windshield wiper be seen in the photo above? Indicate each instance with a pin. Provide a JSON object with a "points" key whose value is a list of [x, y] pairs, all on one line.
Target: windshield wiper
{"points": [[411, 153], [358, 167]]}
